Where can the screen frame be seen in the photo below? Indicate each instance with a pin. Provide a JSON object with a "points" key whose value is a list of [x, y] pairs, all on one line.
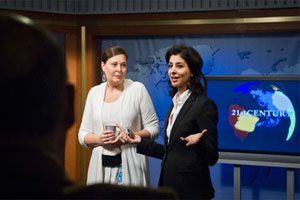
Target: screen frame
{"points": [[259, 159]]}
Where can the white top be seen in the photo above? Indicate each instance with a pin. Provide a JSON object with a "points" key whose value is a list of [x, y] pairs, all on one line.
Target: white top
{"points": [[109, 116], [178, 101], [137, 111]]}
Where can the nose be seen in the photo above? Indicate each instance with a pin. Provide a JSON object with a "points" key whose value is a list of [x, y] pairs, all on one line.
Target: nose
{"points": [[118, 68], [172, 70]]}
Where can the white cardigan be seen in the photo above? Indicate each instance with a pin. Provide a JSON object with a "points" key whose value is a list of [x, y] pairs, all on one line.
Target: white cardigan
{"points": [[138, 113]]}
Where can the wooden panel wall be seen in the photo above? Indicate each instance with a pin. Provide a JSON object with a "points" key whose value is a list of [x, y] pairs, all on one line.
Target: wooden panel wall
{"points": [[73, 62]]}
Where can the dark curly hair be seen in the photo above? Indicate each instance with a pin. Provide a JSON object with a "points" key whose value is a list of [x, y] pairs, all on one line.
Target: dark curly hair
{"points": [[194, 61]]}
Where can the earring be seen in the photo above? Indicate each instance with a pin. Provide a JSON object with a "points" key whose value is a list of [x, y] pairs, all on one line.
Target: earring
{"points": [[103, 78], [190, 76]]}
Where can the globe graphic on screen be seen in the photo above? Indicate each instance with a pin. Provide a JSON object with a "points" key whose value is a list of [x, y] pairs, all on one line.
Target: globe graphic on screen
{"points": [[267, 106]]}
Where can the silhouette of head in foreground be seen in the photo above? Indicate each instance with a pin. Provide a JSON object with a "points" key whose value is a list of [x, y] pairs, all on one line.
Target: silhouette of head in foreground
{"points": [[36, 109]]}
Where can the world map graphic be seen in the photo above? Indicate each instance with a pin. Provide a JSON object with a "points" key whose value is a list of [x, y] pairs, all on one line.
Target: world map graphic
{"points": [[270, 108]]}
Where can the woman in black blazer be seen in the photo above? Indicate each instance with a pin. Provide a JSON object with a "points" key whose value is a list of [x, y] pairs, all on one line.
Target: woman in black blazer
{"points": [[191, 143]]}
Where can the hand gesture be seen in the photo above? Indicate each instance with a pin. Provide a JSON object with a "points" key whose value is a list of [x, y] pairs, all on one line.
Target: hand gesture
{"points": [[193, 139], [132, 139]]}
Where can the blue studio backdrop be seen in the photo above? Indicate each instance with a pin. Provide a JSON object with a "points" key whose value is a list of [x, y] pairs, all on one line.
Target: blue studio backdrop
{"points": [[254, 79]]}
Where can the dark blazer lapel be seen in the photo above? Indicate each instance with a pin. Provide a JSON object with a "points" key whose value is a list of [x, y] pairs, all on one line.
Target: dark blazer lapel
{"points": [[186, 106]]}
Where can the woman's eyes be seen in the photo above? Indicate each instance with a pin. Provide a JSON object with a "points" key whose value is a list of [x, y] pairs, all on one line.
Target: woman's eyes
{"points": [[177, 65], [116, 64]]}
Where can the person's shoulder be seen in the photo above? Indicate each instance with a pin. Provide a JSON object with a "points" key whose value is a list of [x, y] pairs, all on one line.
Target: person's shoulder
{"points": [[203, 100], [136, 85], [201, 97], [99, 86], [133, 83], [108, 191], [96, 88]]}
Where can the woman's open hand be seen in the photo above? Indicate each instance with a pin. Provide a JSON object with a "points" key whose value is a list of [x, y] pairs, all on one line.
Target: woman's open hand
{"points": [[193, 139]]}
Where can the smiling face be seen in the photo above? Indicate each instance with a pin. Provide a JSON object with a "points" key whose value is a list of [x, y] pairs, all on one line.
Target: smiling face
{"points": [[179, 73], [115, 69]]}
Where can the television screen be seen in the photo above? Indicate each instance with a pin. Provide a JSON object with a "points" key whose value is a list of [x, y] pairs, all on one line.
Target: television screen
{"points": [[258, 116]]}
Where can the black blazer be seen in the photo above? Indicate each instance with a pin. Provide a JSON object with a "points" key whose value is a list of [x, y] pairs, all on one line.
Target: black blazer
{"points": [[186, 169]]}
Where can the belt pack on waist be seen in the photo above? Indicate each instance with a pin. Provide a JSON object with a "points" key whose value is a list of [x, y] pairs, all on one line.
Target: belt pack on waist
{"points": [[111, 161]]}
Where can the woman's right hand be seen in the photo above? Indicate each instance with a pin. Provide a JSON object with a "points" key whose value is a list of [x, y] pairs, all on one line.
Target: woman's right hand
{"points": [[106, 137], [193, 138], [132, 139], [103, 139]]}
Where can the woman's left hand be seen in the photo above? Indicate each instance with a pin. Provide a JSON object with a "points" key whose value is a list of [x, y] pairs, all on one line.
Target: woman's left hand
{"points": [[193, 139]]}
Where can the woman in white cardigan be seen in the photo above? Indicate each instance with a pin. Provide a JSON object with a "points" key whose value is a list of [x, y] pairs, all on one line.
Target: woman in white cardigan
{"points": [[127, 104]]}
